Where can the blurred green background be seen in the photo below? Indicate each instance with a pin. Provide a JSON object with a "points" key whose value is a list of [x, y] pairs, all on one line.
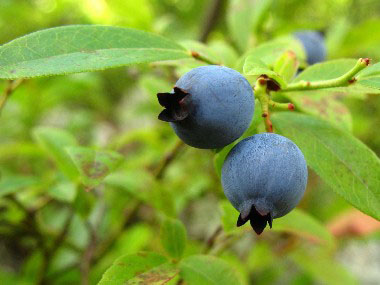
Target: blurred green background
{"points": [[117, 109]]}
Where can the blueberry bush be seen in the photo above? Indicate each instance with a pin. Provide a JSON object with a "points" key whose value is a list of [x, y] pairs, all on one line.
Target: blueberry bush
{"points": [[273, 109]]}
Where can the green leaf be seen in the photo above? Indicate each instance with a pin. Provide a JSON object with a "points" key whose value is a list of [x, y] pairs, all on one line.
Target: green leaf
{"points": [[324, 105], [12, 184], [206, 269], [349, 167], [173, 237], [261, 11], [270, 51], [326, 70], [229, 217], [321, 266], [301, 223], [81, 48], [360, 38], [140, 268], [134, 181], [53, 141], [64, 191], [370, 77], [94, 165], [372, 82], [286, 65], [254, 67], [372, 70], [368, 80], [224, 51]]}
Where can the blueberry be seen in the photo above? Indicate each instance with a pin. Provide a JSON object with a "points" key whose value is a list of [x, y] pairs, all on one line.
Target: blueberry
{"points": [[209, 107], [264, 177], [314, 45]]}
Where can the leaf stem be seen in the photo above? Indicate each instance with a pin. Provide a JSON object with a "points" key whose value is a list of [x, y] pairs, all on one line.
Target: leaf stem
{"points": [[200, 57], [344, 80], [281, 106], [260, 91]]}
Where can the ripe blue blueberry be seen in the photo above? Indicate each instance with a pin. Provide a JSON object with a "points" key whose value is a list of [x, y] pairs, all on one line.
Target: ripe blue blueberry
{"points": [[314, 45], [209, 107], [264, 177]]}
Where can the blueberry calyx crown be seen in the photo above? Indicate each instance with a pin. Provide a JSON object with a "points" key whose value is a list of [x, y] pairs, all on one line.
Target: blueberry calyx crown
{"points": [[258, 222], [174, 104]]}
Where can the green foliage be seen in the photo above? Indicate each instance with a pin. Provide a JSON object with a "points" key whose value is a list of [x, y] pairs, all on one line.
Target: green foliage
{"points": [[348, 166], [79, 48], [141, 267], [321, 267], [304, 225], [173, 236], [53, 141], [12, 184], [203, 269], [254, 67], [93, 165]]}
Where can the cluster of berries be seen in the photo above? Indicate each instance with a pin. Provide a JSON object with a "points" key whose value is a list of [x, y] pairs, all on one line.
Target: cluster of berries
{"points": [[264, 176]]}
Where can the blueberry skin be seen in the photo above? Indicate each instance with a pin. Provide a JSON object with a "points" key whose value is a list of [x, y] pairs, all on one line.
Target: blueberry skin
{"points": [[219, 107], [314, 45], [264, 177]]}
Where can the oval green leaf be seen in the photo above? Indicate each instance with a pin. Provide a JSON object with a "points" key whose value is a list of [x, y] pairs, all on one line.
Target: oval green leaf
{"points": [[140, 268], [254, 67], [326, 105], [81, 48], [173, 237], [94, 165], [206, 269], [348, 166], [326, 70], [54, 141]]}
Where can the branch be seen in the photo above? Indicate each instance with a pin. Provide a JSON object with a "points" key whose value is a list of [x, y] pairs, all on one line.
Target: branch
{"points": [[167, 159], [260, 91], [200, 57], [50, 252], [212, 239], [11, 86], [211, 19], [106, 244], [344, 80], [88, 255]]}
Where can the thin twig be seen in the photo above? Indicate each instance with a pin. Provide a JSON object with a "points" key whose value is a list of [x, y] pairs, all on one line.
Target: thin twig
{"points": [[88, 255], [167, 159], [200, 57], [11, 86], [49, 253], [344, 80], [212, 239], [211, 19], [109, 242]]}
